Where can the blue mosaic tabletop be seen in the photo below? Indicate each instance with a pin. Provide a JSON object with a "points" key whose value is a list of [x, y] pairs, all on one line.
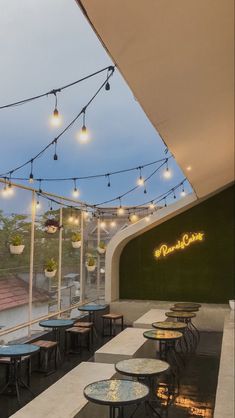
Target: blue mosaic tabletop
{"points": [[92, 308], [56, 323], [18, 350], [116, 392]]}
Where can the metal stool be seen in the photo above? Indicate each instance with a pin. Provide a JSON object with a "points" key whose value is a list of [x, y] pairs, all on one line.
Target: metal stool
{"points": [[7, 361], [47, 348], [111, 318], [77, 333]]}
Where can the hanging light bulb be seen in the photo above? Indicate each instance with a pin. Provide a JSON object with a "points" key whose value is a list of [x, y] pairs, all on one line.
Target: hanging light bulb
{"points": [[147, 218], [85, 214], [134, 218], [102, 224], [167, 173], [113, 224], [71, 218], [5, 189], [108, 177], [140, 181], [174, 195], [38, 204], [151, 205], [120, 211], [84, 134], [76, 221], [75, 189], [183, 192], [31, 179], [55, 157], [165, 202], [107, 86], [56, 118]]}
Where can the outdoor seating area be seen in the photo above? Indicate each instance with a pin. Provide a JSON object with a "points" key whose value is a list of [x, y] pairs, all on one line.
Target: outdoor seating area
{"points": [[117, 202]]}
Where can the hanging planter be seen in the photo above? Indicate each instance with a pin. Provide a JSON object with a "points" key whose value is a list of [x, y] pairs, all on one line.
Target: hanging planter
{"points": [[16, 244], [50, 268], [76, 240], [51, 226], [91, 264], [101, 247]]}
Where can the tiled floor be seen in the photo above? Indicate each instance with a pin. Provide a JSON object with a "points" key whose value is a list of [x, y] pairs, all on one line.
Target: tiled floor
{"points": [[197, 383]]}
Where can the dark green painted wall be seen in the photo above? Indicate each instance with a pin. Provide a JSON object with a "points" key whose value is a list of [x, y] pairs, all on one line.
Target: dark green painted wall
{"points": [[202, 272]]}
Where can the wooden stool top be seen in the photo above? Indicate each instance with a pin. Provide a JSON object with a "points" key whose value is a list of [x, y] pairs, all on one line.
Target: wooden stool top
{"points": [[83, 324], [46, 345], [78, 330], [7, 360], [112, 316]]}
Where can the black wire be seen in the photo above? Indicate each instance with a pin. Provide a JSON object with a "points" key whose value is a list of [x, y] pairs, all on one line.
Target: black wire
{"points": [[63, 132], [48, 179], [54, 91]]}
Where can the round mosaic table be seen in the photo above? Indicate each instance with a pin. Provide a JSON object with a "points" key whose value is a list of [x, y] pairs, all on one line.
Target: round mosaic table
{"points": [[116, 394], [57, 326], [184, 309], [187, 305], [186, 317], [184, 344], [146, 369], [16, 352]]}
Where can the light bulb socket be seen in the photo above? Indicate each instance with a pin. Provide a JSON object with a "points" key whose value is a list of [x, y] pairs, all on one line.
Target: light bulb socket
{"points": [[56, 113], [107, 86]]}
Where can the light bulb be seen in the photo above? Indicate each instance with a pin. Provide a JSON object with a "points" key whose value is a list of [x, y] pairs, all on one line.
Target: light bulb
{"points": [[183, 193], [84, 134], [140, 181], [134, 218], [103, 224], [76, 221], [113, 224], [38, 205], [120, 211], [10, 190], [151, 206], [85, 214], [75, 192], [56, 118], [4, 191], [71, 219], [167, 173]]}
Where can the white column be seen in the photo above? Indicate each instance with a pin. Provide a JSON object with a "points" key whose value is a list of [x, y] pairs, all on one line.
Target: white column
{"points": [[82, 282], [31, 261], [98, 259], [60, 260]]}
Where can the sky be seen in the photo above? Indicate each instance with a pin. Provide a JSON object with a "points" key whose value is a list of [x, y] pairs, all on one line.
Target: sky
{"points": [[44, 45]]}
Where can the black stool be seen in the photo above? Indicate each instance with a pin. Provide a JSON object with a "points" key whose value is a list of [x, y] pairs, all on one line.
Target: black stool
{"points": [[111, 318], [77, 333], [47, 349]]}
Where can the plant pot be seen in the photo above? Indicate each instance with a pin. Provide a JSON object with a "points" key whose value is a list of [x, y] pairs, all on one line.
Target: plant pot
{"points": [[76, 244], [51, 229], [50, 274], [101, 250], [232, 304], [16, 249], [90, 268]]}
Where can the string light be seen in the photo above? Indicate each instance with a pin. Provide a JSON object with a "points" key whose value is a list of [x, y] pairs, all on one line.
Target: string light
{"points": [[76, 221], [102, 224], [71, 218], [120, 210], [140, 181], [75, 189], [174, 195], [56, 118], [109, 183], [167, 172], [84, 134], [151, 205], [113, 224], [134, 218], [31, 172], [55, 157], [165, 202], [183, 193], [38, 203]]}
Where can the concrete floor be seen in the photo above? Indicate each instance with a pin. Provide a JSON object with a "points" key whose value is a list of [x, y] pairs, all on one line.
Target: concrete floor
{"points": [[198, 382]]}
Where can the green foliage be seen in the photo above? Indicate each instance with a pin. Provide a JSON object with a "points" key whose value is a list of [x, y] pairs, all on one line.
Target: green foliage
{"points": [[102, 245], [51, 265], [16, 240], [91, 261], [76, 237]]}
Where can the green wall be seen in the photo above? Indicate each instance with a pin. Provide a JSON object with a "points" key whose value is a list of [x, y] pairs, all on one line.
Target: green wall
{"points": [[203, 271]]}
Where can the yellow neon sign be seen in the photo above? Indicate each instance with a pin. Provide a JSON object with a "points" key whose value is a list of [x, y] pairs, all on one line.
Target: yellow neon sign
{"points": [[185, 241]]}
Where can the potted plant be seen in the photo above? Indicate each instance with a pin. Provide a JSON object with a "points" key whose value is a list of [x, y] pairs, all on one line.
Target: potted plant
{"points": [[52, 226], [91, 264], [76, 240], [50, 268], [16, 244], [101, 247]]}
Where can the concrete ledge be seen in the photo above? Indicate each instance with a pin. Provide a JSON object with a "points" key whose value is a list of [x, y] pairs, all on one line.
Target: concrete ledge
{"points": [[224, 405], [65, 398], [146, 320], [129, 343], [210, 317]]}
